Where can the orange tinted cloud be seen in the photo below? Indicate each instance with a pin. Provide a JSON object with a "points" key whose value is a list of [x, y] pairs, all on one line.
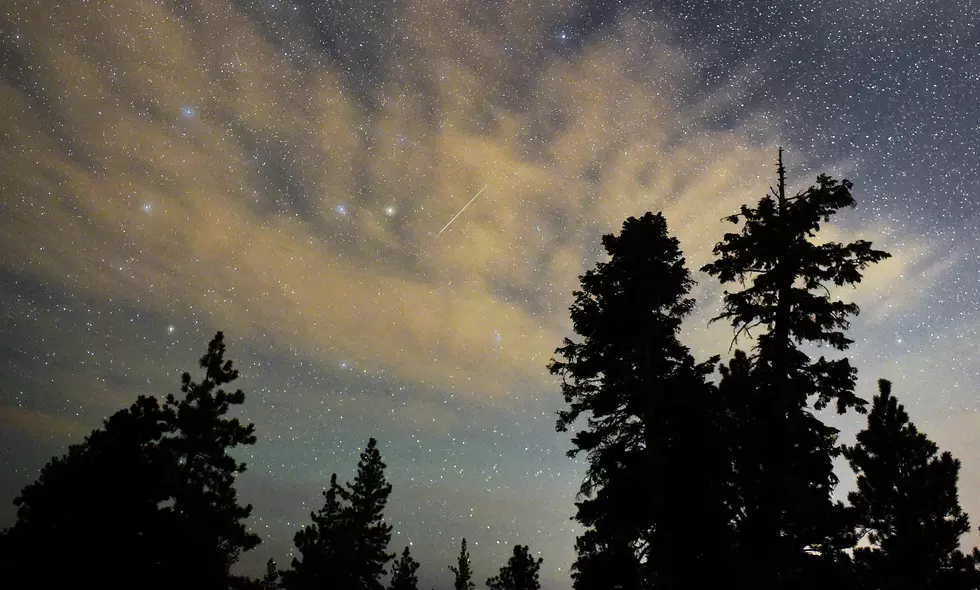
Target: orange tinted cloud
{"points": [[191, 164]]}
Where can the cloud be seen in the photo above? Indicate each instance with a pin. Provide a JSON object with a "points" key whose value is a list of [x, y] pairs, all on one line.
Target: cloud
{"points": [[38, 425], [187, 163]]}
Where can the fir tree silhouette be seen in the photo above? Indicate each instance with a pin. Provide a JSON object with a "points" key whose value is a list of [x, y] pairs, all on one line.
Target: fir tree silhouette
{"points": [[368, 496], [153, 488], [345, 547], [102, 497], [403, 572], [906, 503], [323, 545], [790, 532], [462, 576], [271, 579], [205, 505], [520, 573], [655, 502]]}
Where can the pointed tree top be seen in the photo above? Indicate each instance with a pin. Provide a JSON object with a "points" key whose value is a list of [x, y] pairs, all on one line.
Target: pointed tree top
{"points": [[463, 576], [781, 170]]}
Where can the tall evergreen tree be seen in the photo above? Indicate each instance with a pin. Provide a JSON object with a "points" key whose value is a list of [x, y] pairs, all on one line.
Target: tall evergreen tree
{"points": [[205, 506], [368, 496], [403, 575], [270, 581], [520, 573], [463, 577], [153, 488], [906, 503], [324, 547], [654, 506], [102, 497], [789, 529], [345, 547]]}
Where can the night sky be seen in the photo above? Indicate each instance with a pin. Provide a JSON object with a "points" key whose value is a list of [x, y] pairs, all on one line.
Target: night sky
{"points": [[281, 170]]}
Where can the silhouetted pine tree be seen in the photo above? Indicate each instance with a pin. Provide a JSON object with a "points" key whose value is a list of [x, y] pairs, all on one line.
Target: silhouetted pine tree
{"points": [[403, 572], [346, 545], [790, 532], [270, 581], [153, 489], [324, 547], [520, 573], [608, 554], [101, 498], [906, 503], [210, 525], [367, 497], [655, 507], [463, 577]]}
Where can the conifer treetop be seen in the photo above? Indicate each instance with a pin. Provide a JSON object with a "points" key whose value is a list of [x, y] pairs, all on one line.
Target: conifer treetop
{"points": [[785, 275]]}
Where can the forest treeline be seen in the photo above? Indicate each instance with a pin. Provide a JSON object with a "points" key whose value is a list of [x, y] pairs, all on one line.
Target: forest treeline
{"points": [[701, 473]]}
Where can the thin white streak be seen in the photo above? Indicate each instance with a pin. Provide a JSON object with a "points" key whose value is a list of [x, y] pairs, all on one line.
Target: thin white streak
{"points": [[463, 209]]}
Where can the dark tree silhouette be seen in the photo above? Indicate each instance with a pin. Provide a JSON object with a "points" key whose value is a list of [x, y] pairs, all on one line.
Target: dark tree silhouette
{"points": [[520, 573], [655, 505], [906, 503], [205, 504], [153, 488], [323, 545], [786, 276], [102, 497], [270, 581], [463, 577], [367, 497], [403, 572], [790, 531], [346, 545]]}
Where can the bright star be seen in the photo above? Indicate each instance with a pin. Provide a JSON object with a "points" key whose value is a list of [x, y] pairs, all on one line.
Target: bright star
{"points": [[170, 329], [188, 112], [341, 209], [390, 210]]}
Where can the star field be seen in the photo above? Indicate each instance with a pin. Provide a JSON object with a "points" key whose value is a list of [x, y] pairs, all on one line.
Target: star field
{"points": [[280, 170]]}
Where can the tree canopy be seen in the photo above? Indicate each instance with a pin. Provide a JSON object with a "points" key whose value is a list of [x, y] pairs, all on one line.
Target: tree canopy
{"points": [[345, 546], [462, 576], [154, 488], [790, 532], [654, 492], [906, 505], [520, 572], [403, 575]]}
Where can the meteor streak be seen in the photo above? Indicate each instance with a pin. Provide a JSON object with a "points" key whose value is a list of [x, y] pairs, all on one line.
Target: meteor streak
{"points": [[463, 209]]}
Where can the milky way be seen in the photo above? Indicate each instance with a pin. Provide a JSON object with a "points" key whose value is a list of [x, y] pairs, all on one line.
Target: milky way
{"points": [[279, 170]]}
